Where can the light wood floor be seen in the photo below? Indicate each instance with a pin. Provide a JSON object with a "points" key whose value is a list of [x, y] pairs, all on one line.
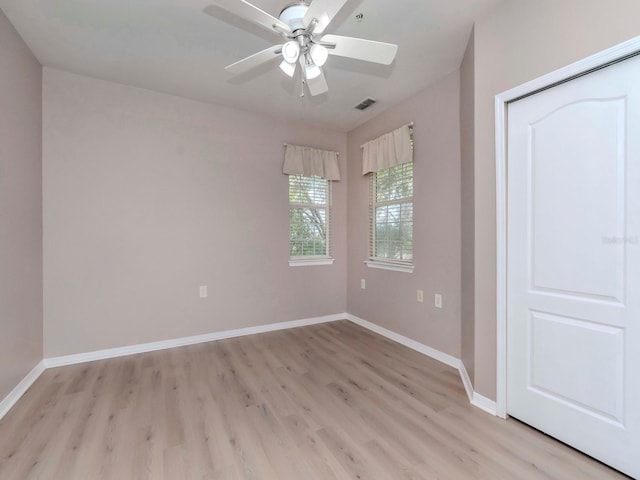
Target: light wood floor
{"points": [[331, 401]]}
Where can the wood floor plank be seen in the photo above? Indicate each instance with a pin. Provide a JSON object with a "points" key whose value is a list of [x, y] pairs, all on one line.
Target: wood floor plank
{"points": [[346, 451], [315, 452], [326, 402]]}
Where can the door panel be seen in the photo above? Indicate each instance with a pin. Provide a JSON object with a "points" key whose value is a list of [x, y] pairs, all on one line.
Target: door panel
{"points": [[564, 175], [558, 375], [573, 301]]}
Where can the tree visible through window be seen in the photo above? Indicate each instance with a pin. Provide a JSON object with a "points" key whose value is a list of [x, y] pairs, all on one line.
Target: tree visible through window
{"points": [[391, 236], [309, 214]]}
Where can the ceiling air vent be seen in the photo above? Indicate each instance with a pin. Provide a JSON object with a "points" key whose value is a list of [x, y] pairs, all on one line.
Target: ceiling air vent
{"points": [[366, 103]]}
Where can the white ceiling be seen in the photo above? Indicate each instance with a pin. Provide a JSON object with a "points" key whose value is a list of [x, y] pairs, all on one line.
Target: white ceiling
{"points": [[171, 46]]}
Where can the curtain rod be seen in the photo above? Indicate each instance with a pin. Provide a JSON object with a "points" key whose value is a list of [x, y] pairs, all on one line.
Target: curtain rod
{"points": [[410, 125], [290, 145]]}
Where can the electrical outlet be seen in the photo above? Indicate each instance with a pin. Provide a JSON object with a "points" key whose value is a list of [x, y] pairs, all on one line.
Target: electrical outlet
{"points": [[363, 284], [437, 300], [420, 296], [203, 291]]}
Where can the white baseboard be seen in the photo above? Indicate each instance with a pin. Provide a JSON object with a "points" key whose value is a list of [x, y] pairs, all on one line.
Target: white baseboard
{"points": [[466, 381], [407, 342], [484, 403], [181, 342], [475, 399], [10, 400]]}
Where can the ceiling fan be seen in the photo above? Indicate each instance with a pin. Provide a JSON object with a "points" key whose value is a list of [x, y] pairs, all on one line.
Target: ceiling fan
{"points": [[302, 25]]}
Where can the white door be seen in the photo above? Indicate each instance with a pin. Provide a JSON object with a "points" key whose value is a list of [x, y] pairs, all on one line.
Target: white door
{"points": [[573, 312]]}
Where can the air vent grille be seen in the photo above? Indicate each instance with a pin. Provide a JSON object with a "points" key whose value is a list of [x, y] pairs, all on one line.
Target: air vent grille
{"points": [[366, 103]]}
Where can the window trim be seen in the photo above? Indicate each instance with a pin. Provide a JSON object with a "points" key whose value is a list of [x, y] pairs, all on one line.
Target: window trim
{"points": [[314, 260], [405, 266], [308, 262], [384, 264]]}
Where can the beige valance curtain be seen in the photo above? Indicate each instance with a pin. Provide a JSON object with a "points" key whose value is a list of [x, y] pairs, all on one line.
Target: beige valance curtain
{"points": [[388, 151], [310, 162]]}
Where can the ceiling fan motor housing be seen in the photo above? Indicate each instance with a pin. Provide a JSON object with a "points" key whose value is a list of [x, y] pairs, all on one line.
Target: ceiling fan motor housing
{"points": [[293, 15]]}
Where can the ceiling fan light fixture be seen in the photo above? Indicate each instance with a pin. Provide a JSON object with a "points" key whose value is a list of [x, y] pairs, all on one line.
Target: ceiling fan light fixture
{"points": [[319, 54], [288, 68], [291, 51], [312, 71]]}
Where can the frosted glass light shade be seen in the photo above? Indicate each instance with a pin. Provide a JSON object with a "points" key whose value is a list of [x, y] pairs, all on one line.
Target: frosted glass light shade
{"points": [[291, 51], [319, 54], [312, 71], [288, 68]]}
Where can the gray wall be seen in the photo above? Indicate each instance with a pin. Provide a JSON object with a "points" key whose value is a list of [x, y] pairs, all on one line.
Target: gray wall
{"points": [[20, 208], [147, 196], [520, 41], [467, 138], [390, 297]]}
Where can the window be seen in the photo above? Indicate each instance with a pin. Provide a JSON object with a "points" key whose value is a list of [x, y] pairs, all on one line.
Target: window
{"points": [[391, 218], [388, 160], [309, 221]]}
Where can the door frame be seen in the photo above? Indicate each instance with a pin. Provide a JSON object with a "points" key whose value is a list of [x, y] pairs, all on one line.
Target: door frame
{"points": [[582, 67]]}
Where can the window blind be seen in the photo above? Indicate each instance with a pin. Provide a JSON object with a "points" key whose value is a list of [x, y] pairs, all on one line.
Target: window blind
{"points": [[391, 214], [309, 217]]}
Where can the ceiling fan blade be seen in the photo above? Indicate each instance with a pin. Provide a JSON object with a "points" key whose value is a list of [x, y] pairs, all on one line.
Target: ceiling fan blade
{"points": [[249, 12], [323, 12], [318, 85], [255, 60], [367, 50]]}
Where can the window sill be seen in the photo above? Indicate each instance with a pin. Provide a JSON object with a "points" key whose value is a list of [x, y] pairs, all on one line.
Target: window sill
{"points": [[300, 262], [395, 267]]}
